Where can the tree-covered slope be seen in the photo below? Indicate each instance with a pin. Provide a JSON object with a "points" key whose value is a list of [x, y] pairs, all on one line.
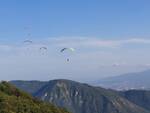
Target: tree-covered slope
{"points": [[13, 100]]}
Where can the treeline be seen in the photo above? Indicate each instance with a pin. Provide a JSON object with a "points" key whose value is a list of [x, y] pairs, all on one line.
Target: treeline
{"points": [[12, 100]]}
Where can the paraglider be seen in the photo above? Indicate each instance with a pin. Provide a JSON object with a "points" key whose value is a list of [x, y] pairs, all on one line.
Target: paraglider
{"points": [[43, 50], [67, 52], [27, 45]]}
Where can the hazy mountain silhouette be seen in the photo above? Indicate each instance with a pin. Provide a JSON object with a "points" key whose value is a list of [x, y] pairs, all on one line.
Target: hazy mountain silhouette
{"points": [[139, 80]]}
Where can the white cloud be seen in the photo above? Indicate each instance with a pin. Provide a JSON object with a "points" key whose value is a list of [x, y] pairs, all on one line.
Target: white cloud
{"points": [[138, 40], [77, 42], [146, 65], [5, 47], [25, 62], [95, 42]]}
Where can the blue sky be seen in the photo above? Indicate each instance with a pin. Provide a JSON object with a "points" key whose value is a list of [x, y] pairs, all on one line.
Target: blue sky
{"points": [[98, 18], [111, 37]]}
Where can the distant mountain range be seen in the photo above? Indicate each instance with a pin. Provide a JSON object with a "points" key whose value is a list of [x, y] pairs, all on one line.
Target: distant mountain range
{"points": [[83, 98], [12, 100], [139, 80]]}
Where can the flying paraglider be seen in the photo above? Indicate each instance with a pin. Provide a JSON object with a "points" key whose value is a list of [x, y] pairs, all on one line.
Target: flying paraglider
{"points": [[43, 50], [27, 45], [67, 52]]}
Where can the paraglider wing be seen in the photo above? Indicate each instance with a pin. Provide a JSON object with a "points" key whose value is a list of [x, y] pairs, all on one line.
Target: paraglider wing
{"points": [[45, 48], [72, 49], [64, 49], [27, 42]]}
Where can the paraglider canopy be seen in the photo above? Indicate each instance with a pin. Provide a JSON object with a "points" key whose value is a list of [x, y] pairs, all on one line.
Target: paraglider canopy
{"points": [[64, 49], [41, 48], [27, 42]]}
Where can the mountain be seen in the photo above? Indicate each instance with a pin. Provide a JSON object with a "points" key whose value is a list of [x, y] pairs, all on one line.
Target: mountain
{"points": [[83, 98], [138, 97], [13, 100], [29, 86], [139, 80]]}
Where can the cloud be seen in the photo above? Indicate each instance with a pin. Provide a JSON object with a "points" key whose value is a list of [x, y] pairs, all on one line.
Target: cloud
{"points": [[83, 45], [146, 65], [137, 40], [5, 47], [116, 65], [95, 42], [25, 61], [88, 42]]}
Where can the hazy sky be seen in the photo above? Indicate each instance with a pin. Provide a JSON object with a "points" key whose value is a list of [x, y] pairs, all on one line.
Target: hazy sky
{"points": [[110, 37]]}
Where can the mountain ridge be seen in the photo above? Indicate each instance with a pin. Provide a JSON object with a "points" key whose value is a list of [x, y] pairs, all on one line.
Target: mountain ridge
{"points": [[135, 80], [83, 98]]}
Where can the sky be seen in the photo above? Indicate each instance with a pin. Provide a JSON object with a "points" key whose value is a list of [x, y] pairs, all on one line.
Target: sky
{"points": [[110, 38]]}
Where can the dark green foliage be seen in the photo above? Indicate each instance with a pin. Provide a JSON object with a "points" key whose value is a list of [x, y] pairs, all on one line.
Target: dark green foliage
{"points": [[13, 100]]}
